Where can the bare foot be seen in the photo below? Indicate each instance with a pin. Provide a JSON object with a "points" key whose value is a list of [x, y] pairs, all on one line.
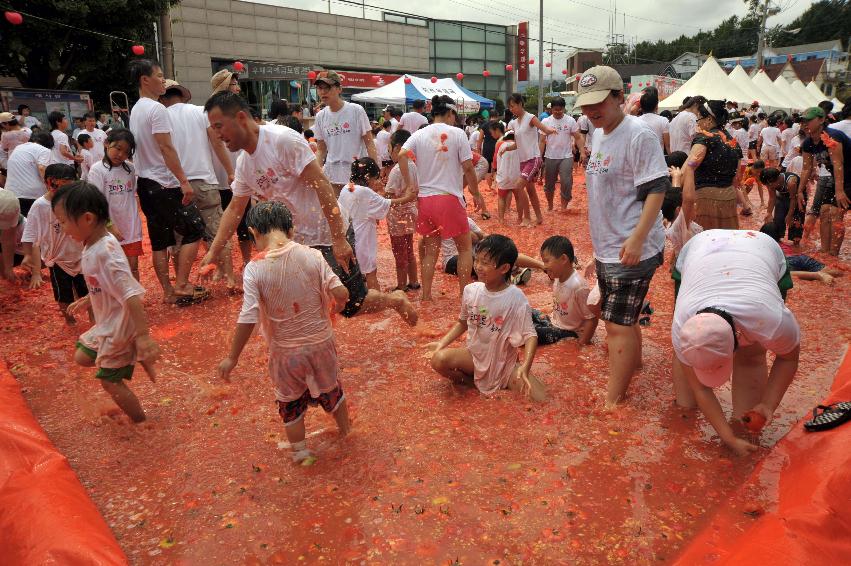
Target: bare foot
{"points": [[404, 307], [826, 278], [539, 221]]}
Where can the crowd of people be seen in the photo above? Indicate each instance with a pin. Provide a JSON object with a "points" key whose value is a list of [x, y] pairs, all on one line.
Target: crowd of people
{"points": [[309, 201]]}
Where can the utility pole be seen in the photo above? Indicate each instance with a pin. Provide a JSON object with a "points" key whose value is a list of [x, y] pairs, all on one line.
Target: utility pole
{"points": [[760, 46], [541, 58]]}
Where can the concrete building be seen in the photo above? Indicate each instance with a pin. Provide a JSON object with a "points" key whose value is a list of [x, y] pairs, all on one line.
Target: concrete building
{"points": [[687, 64]]}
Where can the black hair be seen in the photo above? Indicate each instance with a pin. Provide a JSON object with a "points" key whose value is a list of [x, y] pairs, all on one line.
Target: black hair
{"points": [[769, 175], [139, 68], [269, 215], [758, 164], [500, 249], [43, 139], [396, 112], [80, 197], [294, 123], [673, 200], [418, 104], [21, 108], [789, 122], [399, 137], [117, 135], [716, 109], [772, 121], [516, 98], [295, 108], [173, 92], [60, 171], [386, 124], [255, 113], [676, 159], [667, 114], [83, 138], [771, 229], [508, 136], [308, 133], [279, 108], [54, 118], [761, 115], [363, 169], [649, 100], [826, 105], [228, 102], [558, 102], [558, 246], [88, 115], [440, 105], [497, 126]]}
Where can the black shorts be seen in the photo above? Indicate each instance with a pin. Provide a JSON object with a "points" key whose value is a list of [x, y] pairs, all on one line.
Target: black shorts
{"points": [[752, 145], [166, 215], [451, 268], [242, 230], [387, 163], [353, 281], [65, 285], [26, 204]]}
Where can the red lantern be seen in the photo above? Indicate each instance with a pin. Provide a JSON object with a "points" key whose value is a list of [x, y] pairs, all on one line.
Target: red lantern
{"points": [[138, 49], [407, 80], [14, 18], [564, 72], [460, 76], [531, 61], [578, 76], [434, 79], [509, 67], [486, 73], [629, 85], [238, 66], [548, 65], [311, 75]]}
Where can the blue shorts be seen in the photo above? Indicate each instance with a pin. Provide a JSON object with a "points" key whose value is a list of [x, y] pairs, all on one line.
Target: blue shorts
{"points": [[804, 263]]}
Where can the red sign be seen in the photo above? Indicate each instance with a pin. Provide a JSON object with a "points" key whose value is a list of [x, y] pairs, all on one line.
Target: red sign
{"points": [[523, 51], [365, 80]]}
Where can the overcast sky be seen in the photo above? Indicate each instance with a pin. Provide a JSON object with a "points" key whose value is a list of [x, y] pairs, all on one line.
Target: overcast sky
{"points": [[578, 23]]}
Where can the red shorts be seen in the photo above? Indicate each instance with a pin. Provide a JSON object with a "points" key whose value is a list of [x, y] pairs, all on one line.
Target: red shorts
{"points": [[132, 250], [441, 215], [530, 168]]}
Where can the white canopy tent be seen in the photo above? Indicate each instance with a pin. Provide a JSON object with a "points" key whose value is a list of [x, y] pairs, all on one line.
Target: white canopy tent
{"points": [[803, 93], [766, 99], [813, 89], [402, 93], [711, 82], [784, 87], [762, 82], [837, 106]]}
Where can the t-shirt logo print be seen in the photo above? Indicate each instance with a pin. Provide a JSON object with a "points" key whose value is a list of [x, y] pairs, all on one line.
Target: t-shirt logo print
{"points": [[441, 146], [597, 165], [588, 80], [266, 179]]}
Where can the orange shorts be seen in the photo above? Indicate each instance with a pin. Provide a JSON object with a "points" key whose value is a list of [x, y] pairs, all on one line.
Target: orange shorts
{"points": [[133, 250]]}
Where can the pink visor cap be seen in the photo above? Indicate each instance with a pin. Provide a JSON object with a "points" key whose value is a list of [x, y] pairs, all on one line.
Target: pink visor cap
{"points": [[707, 345]]}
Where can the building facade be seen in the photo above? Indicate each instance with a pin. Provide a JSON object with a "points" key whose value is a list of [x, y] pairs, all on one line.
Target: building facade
{"points": [[687, 64]]}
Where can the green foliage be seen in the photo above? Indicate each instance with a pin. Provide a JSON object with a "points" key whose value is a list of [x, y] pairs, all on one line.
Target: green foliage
{"points": [[823, 21], [42, 54]]}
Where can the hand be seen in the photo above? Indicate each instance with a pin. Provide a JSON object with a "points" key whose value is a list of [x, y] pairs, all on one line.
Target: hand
{"points": [[431, 349], [801, 204], [676, 174], [146, 349], [231, 177], [741, 446], [842, 200], [188, 193], [826, 278], [631, 251], [523, 377], [590, 269], [80, 305], [225, 367], [343, 253], [479, 203], [205, 261], [36, 280]]}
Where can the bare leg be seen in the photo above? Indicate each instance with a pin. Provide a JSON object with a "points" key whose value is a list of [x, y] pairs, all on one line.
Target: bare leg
{"points": [[401, 277], [750, 374], [371, 280], [185, 258], [533, 199], [536, 390], [430, 247], [500, 208], [125, 399], [837, 231], [523, 213], [623, 351], [226, 264], [638, 362], [341, 417], [683, 392], [455, 364], [464, 243], [412, 266], [295, 435], [809, 224], [245, 250], [161, 270], [826, 227], [377, 301], [82, 359]]}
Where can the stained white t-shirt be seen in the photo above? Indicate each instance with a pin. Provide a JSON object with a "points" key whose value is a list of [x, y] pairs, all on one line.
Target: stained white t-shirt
{"points": [[119, 187], [796, 165], [342, 133], [57, 247], [273, 173], [98, 140], [681, 131], [190, 140], [60, 139], [770, 136], [402, 219], [678, 233], [570, 302], [843, 126], [741, 137], [362, 208], [508, 172], [149, 117], [526, 137], [474, 139], [620, 161], [440, 150], [560, 144], [382, 145], [786, 137], [659, 125], [736, 271], [585, 125], [497, 324], [793, 148], [22, 176], [412, 121]]}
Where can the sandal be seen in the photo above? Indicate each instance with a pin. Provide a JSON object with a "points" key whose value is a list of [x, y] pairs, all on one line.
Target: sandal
{"points": [[486, 216], [747, 212], [413, 287], [831, 416], [199, 296]]}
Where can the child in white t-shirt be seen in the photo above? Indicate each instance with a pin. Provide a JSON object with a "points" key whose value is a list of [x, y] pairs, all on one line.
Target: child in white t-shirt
{"points": [[361, 208], [678, 212], [115, 177], [497, 319], [402, 220], [120, 336], [292, 292], [509, 181], [571, 316], [86, 144]]}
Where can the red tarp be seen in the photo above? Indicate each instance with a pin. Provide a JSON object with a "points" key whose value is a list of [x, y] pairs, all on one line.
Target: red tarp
{"points": [[807, 518], [46, 517]]}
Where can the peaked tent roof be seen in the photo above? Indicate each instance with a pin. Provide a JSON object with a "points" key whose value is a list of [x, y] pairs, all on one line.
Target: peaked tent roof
{"points": [[837, 106], [803, 93], [763, 82], [398, 92], [766, 99], [813, 89], [709, 81], [784, 87]]}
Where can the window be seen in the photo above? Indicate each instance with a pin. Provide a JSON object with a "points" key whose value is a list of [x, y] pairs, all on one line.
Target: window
{"points": [[496, 51], [447, 49], [470, 67], [444, 30], [473, 33], [687, 62], [447, 66], [473, 51]]}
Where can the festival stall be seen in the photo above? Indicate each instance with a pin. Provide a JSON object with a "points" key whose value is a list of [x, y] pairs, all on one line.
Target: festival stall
{"points": [[406, 89], [711, 82], [765, 98]]}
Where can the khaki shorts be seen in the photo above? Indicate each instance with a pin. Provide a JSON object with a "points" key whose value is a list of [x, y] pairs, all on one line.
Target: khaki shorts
{"points": [[209, 203]]}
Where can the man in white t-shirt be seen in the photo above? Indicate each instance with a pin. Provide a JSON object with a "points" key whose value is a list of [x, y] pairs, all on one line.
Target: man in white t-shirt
{"points": [[557, 150], [729, 312], [25, 169], [844, 124], [342, 131], [389, 115], [277, 164], [98, 136], [682, 128], [586, 128], [164, 190], [414, 120], [26, 119], [649, 103], [626, 180]]}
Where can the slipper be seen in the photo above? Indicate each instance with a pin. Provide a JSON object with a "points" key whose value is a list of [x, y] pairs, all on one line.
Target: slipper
{"points": [[747, 212], [199, 296], [414, 287], [394, 289], [830, 416], [486, 216]]}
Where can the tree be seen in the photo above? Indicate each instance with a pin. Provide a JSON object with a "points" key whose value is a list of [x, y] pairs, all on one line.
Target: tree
{"points": [[43, 53]]}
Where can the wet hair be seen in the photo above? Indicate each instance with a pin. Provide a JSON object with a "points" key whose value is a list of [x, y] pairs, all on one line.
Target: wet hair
{"points": [[771, 229], [772, 121], [83, 139], [139, 68], [758, 164], [80, 197], [440, 105], [173, 92], [397, 112], [60, 171], [558, 246], [667, 114], [54, 118], [716, 109], [363, 170], [279, 108], [672, 201], [43, 139], [116, 135], [761, 115], [308, 133], [418, 104], [228, 102], [500, 249], [255, 113], [676, 159], [295, 124], [22, 107], [649, 100], [399, 137], [516, 98], [497, 126], [769, 175], [295, 109], [269, 215], [558, 102]]}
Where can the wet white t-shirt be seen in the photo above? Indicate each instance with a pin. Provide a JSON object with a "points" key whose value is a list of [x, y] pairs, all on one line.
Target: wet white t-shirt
{"points": [[681, 131], [119, 187], [474, 139], [678, 233], [560, 144], [526, 137], [620, 162], [342, 133], [570, 302], [57, 247], [508, 172], [190, 139], [585, 125], [22, 176], [786, 137], [412, 121], [149, 117], [362, 208], [440, 150], [273, 173], [60, 140], [770, 136], [659, 125], [382, 145]]}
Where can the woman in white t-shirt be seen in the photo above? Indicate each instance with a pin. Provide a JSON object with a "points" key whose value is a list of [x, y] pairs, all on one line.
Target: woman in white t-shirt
{"points": [[526, 127], [444, 161], [61, 145], [769, 143]]}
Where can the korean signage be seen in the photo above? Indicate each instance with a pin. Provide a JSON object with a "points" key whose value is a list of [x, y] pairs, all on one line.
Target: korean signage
{"points": [[260, 71], [523, 51], [365, 80]]}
